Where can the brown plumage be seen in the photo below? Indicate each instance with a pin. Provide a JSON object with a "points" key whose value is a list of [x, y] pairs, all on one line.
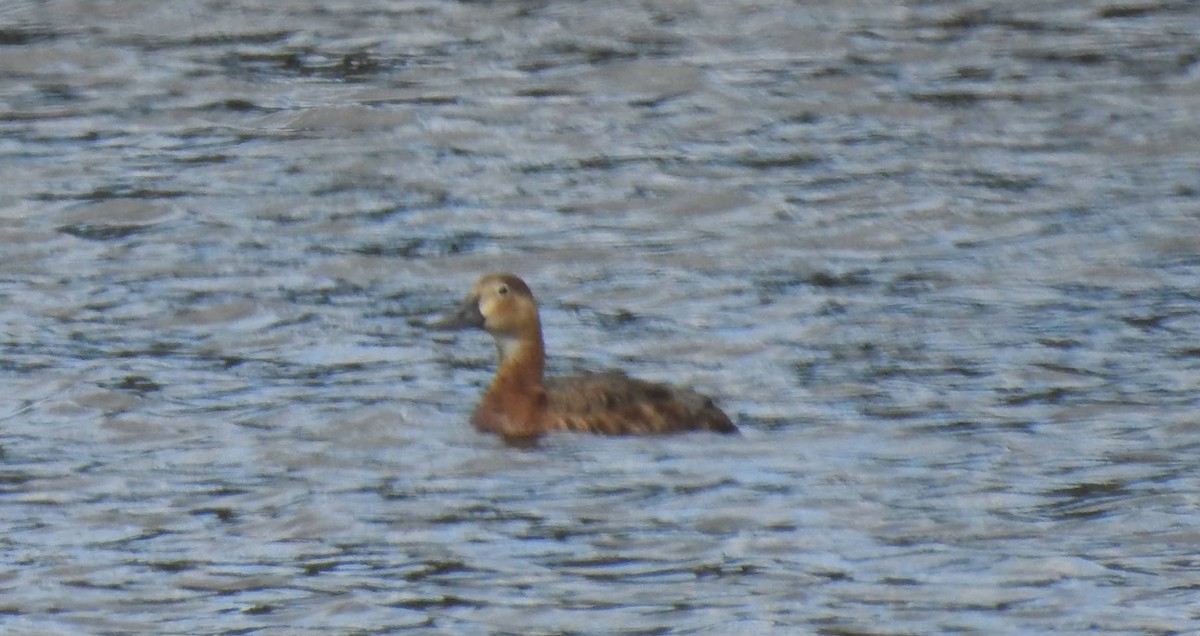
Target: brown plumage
{"points": [[521, 404]]}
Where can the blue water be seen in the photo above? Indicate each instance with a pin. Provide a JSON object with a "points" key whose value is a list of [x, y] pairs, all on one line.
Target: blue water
{"points": [[939, 262]]}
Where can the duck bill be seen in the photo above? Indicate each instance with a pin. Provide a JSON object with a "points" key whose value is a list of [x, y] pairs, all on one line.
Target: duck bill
{"points": [[467, 316]]}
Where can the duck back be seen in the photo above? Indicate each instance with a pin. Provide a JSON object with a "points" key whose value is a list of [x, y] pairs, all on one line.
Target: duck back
{"points": [[615, 404]]}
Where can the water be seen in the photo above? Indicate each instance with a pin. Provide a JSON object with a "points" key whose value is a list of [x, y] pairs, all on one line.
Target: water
{"points": [[937, 259]]}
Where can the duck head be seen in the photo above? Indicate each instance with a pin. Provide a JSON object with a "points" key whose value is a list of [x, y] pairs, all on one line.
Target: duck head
{"points": [[502, 305]]}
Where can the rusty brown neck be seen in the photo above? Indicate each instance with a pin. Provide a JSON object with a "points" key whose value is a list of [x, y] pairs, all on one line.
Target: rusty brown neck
{"points": [[514, 402], [522, 357]]}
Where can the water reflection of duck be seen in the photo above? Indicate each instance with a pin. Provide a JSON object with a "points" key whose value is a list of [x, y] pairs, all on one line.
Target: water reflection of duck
{"points": [[520, 404]]}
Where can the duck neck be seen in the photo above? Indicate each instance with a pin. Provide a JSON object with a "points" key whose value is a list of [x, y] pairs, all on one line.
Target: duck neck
{"points": [[522, 362], [514, 403]]}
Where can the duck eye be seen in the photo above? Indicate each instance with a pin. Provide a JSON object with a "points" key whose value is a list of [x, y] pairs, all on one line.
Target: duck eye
{"points": [[502, 290]]}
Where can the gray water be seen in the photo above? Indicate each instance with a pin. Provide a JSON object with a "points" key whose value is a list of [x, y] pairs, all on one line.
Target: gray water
{"points": [[939, 260]]}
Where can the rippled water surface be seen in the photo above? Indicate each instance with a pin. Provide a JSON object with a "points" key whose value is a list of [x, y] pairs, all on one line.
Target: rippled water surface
{"points": [[939, 260]]}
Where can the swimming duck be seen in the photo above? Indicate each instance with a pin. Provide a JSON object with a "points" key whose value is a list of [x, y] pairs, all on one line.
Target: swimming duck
{"points": [[521, 404]]}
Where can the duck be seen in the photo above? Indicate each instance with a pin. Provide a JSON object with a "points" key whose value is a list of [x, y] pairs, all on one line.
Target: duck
{"points": [[521, 404]]}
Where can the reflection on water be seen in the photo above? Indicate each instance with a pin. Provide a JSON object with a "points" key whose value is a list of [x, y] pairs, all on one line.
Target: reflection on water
{"points": [[938, 261]]}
